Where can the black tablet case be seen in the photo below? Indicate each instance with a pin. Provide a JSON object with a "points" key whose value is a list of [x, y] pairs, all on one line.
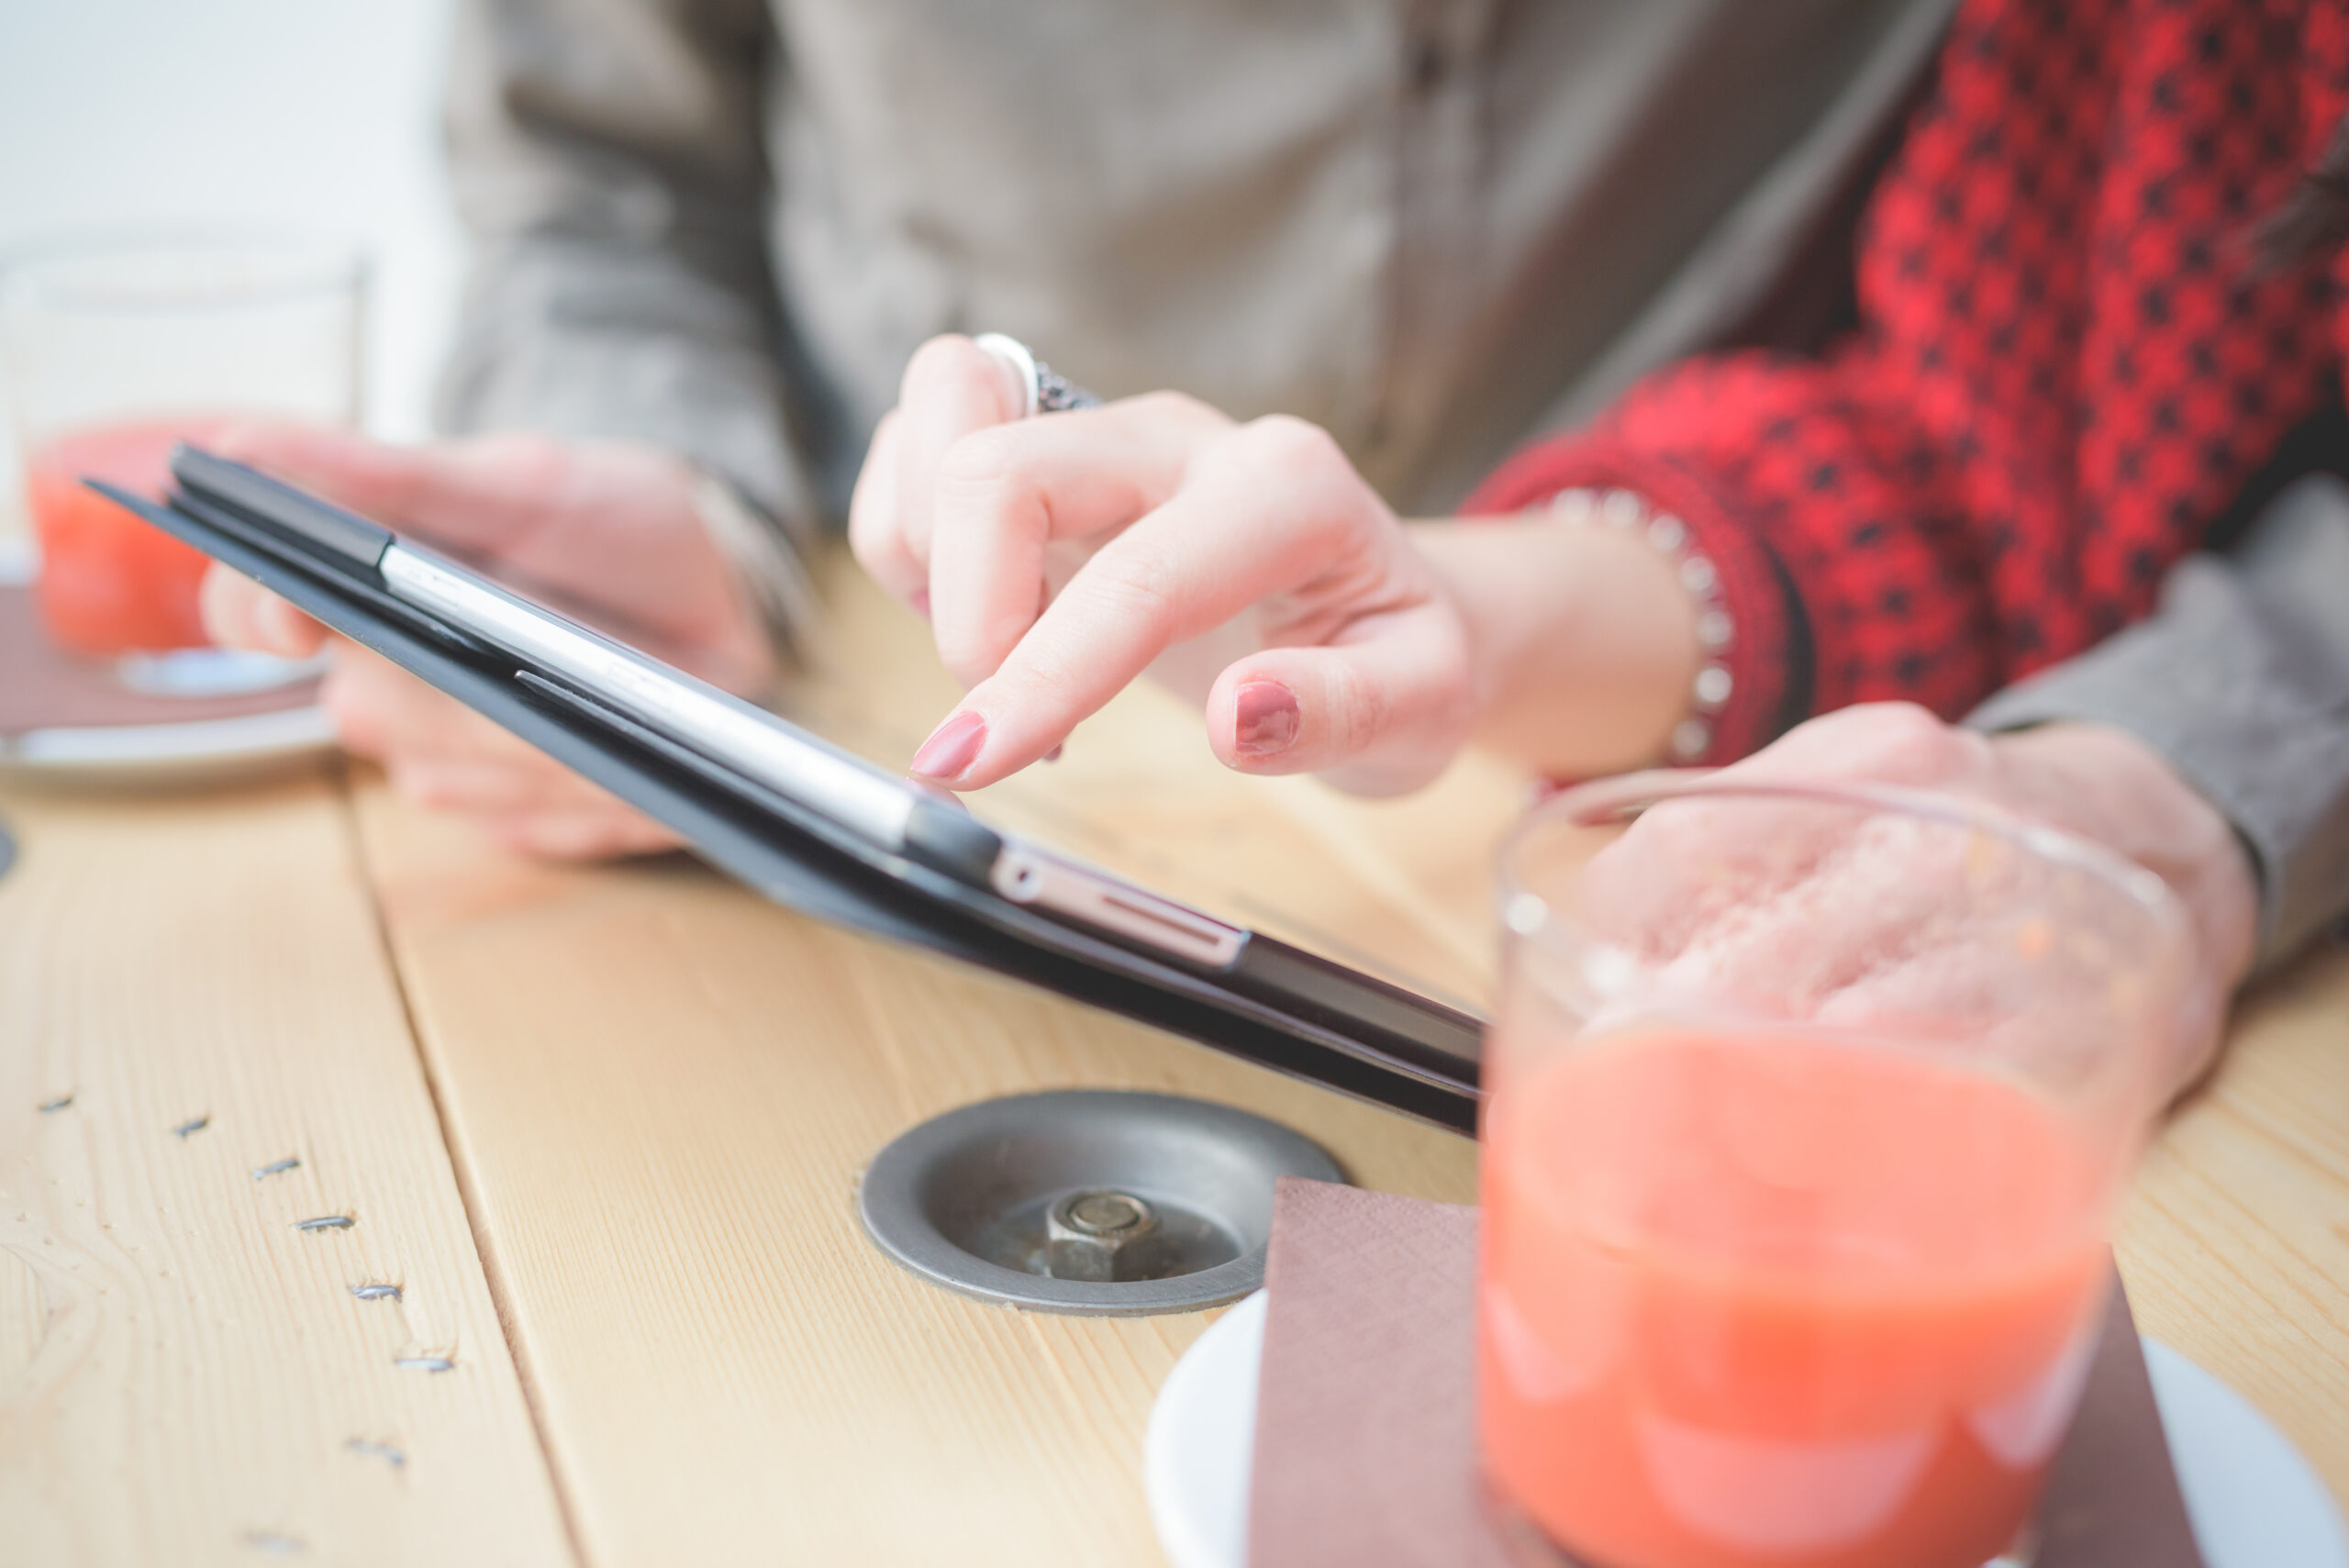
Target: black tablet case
{"points": [[799, 860]]}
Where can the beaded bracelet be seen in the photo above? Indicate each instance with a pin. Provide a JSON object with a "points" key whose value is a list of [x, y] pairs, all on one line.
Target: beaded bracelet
{"points": [[1627, 511]]}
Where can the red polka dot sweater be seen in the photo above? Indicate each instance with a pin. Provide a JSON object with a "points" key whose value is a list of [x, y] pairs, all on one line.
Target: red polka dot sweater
{"points": [[2069, 361]]}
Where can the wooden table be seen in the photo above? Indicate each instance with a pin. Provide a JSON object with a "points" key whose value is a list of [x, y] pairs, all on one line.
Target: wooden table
{"points": [[602, 1128]]}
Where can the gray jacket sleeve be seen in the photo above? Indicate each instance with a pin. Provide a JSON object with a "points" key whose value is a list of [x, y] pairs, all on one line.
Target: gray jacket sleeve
{"points": [[607, 160], [2241, 681]]}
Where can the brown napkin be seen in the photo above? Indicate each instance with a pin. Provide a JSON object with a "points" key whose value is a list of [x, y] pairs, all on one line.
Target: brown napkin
{"points": [[1365, 1436], [43, 687]]}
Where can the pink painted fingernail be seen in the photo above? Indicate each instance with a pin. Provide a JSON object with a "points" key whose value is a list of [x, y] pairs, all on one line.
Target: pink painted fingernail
{"points": [[921, 601], [951, 747], [1267, 721], [1055, 754]]}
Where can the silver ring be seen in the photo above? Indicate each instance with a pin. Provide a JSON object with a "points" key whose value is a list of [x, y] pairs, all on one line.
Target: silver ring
{"points": [[1047, 392]]}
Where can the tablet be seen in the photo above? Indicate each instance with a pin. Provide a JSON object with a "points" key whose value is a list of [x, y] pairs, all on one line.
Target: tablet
{"points": [[813, 825]]}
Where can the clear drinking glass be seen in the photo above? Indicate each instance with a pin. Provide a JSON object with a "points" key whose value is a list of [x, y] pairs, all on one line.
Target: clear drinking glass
{"points": [[115, 350], [1810, 1109]]}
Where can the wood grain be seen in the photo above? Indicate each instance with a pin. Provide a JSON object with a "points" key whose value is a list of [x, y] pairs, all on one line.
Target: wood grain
{"points": [[663, 1090], [2235, 1248], [181, 1372], [657, 1093]]}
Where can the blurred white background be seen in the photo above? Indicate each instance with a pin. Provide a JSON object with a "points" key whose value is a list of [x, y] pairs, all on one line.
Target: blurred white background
{"points": [[318, 116]]}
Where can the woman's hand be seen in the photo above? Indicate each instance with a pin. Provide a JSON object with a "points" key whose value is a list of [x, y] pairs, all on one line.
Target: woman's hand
{"points": [[610, 529], [1249, 567], [1059, 558]]}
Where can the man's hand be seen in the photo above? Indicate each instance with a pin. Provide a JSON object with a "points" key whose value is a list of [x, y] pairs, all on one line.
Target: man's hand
{"points": [[609, 530], [1845, 919]]}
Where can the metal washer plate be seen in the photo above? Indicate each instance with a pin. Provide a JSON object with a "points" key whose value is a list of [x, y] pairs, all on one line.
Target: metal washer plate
{"points": [[949, 1174]]}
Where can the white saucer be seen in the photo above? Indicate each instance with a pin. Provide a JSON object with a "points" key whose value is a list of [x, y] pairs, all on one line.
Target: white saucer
{"points": [[190, 715], [193, 751], [2254, 1501]]}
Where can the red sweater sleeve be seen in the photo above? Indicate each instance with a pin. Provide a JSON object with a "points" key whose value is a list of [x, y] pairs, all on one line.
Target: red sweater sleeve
{"points": [[2069, 361]]}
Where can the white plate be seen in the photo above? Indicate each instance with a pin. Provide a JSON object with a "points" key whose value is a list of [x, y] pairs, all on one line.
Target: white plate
{"points": [[158, 745], [155, 753], [2254, 1501]]}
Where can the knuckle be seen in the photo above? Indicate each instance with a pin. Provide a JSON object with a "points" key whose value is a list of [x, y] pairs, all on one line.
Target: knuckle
{"points": [[1904, 740], [984, 467], [431, 788], [546, 837], [1291, 449], [355, 703], [1325, 502], [991, 485], [1905, 726], [1178, 407], [346, 703], [528, 455], [227, 609], [938, 358]]}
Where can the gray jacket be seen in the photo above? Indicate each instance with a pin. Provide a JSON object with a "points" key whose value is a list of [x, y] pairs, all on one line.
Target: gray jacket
{"points": [[1429, 226], [2240, 680], [1433, 225]]}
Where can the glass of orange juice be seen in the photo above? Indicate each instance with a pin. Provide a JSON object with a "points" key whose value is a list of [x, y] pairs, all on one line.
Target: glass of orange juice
{"points": [[115, 350], [1809, 1109]]}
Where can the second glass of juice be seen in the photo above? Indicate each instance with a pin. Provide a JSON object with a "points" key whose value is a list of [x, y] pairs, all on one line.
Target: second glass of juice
{"points": [[118, 349], [1810, 1109]]}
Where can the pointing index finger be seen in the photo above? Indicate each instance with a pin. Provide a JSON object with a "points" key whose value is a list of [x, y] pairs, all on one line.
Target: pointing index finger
{"points": [[1269, 508], [1003, 494]]}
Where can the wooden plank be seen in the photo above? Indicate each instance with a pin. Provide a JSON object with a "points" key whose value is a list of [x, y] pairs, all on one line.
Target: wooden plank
{"points": [[2236, 1245], [662, 1091], [183, 1373]]}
